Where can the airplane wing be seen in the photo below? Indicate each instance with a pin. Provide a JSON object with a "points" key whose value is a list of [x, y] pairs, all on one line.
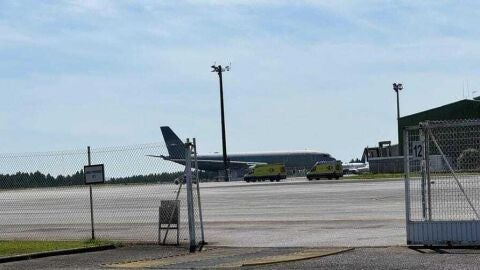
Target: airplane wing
{"points": [[161, 156], [233, 164], [212, 164]]}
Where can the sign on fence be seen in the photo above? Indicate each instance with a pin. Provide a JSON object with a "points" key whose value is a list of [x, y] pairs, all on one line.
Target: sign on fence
{"points": [[418, 150], [94, 174]]}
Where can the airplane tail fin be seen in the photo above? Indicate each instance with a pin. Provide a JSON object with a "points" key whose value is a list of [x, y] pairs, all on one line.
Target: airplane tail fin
{"points": [[175, 146]]}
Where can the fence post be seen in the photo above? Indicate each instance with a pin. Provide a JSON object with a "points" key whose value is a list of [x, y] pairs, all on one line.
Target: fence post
{"points": [[191, 214], [91, 195], [198, 191], [423, 186], [427, 172], [406, 169]]}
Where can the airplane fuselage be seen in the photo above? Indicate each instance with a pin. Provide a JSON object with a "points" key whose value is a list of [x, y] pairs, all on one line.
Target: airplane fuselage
{"points": [[240, 161], [292, 159]]}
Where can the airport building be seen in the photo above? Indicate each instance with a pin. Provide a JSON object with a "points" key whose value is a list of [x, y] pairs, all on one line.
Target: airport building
{"points": [[384, 158], [387, 158], [463, 109]]}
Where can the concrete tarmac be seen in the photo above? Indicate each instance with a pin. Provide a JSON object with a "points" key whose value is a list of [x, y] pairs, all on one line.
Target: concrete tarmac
{"points": [[306, 214], [296, 213]]}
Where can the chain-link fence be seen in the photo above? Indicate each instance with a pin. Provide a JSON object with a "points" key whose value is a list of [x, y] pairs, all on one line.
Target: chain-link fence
{"points": [[43, 195], [445, 185], [386, 164], [443, 180]]}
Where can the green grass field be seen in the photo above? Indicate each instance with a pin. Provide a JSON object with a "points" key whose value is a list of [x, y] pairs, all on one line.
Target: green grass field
{"points": [[10, 248]]}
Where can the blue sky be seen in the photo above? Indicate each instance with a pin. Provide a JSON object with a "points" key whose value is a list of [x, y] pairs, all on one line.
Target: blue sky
{"points": [[305, 74]]}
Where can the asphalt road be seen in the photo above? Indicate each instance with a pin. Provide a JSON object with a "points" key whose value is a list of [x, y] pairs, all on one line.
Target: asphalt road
{"points": [[290, 214], [156, 257]]}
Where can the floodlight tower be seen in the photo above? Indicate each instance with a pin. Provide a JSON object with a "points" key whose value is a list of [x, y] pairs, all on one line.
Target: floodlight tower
{"points": [[219, 70], [397, 87]]}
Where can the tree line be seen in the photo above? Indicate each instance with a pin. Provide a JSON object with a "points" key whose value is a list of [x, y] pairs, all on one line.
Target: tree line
{"points": [[38, 179]]}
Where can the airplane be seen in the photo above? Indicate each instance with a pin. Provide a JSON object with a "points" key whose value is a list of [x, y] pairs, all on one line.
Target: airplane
{"points": [[356, 168], [304, 159]]}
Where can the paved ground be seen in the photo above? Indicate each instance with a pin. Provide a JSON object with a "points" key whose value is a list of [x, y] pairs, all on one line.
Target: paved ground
{"points": [[306, 214], [266, 222], [138, 257], [292, 214]]}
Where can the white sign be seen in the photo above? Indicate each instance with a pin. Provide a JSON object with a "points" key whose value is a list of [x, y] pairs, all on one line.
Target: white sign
{"points": [[418, 150], [94, 174]]}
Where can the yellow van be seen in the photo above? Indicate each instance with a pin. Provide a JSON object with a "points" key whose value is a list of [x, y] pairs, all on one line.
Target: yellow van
{"points": [[326, 169], [262, 172]]}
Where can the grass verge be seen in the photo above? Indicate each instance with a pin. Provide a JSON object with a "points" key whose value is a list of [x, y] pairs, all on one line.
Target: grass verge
{"points": [[17, 247]]}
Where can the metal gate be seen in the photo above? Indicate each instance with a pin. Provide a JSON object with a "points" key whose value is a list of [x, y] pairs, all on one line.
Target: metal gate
{"points": [[442, 183]]}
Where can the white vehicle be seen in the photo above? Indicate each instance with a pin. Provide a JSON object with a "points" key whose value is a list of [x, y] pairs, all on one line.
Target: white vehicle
{"points": [[355, 168], [184, 178]]}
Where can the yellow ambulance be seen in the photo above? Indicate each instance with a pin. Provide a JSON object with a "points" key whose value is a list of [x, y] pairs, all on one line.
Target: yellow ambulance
{"points": [[262, 172], [326, 169]]}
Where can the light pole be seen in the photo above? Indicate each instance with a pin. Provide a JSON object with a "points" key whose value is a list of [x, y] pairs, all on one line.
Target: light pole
{"points": [[398, 87], [219, 70]]}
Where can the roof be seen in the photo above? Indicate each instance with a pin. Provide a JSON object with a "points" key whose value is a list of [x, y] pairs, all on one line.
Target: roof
{"points": [[462, 109]]}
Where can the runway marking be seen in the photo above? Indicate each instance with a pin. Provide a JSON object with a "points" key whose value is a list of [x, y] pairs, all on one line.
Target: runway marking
{"points": [[215, 253], [289, 257]]}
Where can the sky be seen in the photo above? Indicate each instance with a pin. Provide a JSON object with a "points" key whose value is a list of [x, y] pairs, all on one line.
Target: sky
{"points": [[311, 75]]}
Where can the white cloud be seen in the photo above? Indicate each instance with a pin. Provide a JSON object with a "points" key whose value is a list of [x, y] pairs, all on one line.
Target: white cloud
{"points": [[153, 58]]}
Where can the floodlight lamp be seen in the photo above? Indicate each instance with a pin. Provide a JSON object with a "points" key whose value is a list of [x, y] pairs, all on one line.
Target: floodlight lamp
{"points": [[397, 87]]}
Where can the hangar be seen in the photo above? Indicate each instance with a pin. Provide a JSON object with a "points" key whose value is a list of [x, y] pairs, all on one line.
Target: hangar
{"points": [[462, 109], [391, 161]]}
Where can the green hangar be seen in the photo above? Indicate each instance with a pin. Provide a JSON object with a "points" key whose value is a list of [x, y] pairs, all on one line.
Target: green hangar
{"points": [[463, 109], [388, 158]]}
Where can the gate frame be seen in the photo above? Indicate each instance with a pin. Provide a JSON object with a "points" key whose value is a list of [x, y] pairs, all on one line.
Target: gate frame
{"points": [[428, 232]]}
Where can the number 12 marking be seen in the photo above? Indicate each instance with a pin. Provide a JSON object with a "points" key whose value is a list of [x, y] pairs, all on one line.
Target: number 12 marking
{"points": [[417, 150]]}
